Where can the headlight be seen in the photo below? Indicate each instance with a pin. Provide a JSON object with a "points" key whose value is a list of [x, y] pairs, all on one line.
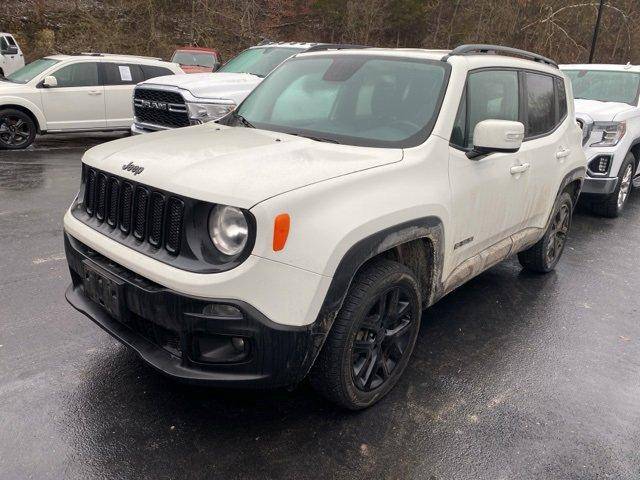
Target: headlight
{"points": [[609, 133], [228, 229], [207, 112]]}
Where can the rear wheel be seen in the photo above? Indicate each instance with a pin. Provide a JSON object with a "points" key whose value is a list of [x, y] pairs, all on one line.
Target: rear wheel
{"points": [[372, 338], [614, 203], [17, 129], [545, 254]]}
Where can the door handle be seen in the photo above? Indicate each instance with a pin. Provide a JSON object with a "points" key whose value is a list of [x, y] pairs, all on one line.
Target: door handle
{"points": [[517, 169], [95, 92], [562, 153]]}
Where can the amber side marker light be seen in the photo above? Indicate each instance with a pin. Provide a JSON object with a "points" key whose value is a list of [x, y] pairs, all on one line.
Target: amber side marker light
{"points": [[281, 231]]}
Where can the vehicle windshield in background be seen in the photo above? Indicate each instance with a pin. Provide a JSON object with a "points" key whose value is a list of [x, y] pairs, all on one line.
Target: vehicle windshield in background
{"points": [[605, 85], [31, 70], [259, 61], [197, 59], [350, 99]]}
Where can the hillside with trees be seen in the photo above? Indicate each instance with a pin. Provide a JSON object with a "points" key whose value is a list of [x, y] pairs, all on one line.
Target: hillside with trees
{"points": [[560, 29]]}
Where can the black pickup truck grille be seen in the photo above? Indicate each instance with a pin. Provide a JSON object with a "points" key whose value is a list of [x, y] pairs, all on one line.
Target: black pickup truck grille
{"points": [[160, 107], [147, 214]]}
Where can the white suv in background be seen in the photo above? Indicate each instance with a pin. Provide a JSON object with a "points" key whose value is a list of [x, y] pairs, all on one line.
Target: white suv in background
{"points": [[77, 93], [11, 57], [172, 102], [607, 108], [305, 233]]}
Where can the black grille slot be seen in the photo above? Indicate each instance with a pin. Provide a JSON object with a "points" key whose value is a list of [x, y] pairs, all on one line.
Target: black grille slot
{"points": [[126, 202], [156, 214], [159, 107], [90, 191], [114, 195], [140, 217], [101, 196], [175, 209], [140, 212]]}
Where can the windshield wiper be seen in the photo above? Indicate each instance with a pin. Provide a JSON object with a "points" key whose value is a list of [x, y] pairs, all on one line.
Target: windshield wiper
{"points": [[317, 139], [243, 120]]}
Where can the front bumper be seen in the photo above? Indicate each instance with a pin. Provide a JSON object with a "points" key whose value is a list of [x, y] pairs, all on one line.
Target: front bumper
{"points": [[140, 128], [170, 331], [599, 186]]}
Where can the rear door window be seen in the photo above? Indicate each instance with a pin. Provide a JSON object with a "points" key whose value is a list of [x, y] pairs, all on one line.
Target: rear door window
{"points": [[540, 97], [122, 74]]}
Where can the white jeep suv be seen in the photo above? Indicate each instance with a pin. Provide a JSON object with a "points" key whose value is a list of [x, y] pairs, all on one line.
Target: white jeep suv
{"points": [[304, 236], [173, 102], [72, 93], [607, 108]]}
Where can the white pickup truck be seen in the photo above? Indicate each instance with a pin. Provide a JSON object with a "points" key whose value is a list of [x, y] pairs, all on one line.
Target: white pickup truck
{"points": [[607, 109], [11, 57], [180, 101]]}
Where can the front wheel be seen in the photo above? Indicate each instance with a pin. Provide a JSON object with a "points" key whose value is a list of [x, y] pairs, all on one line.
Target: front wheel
{"points": [[17, 129], [545, 254], [372, 338]]}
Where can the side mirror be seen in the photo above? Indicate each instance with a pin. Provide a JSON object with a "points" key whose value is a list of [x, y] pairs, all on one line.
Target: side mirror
{"points": [[215, 68], [491, 136], [49, 81], [10, 50]]}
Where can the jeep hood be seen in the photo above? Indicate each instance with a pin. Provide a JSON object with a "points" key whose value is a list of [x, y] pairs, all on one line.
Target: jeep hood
{"points": [[600, 111], [232, 165], [219, 85]]}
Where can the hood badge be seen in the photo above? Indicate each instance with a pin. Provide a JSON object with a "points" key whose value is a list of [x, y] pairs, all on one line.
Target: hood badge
{"points": [[133, 168]]}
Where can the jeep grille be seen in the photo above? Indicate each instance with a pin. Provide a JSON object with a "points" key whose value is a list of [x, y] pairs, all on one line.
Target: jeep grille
{"points": [[146, 213], [160, 107]]}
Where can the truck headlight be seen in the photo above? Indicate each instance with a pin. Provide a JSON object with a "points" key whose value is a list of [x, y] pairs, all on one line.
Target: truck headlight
{"points": [[609, 133], [228, 229], [207, 112]]}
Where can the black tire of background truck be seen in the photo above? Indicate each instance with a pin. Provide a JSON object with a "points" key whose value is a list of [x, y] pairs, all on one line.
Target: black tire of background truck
{"points": [[536, 258], [609, 206], [333, 373], [24, 134]]}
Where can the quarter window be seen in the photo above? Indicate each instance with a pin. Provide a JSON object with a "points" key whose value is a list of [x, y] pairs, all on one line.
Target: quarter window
{"points": [[490, 95], [562, 99], [541, 115], [83, 74], [151, 71]]}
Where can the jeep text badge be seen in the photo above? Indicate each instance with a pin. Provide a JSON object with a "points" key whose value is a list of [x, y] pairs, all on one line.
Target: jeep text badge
{"points": [[131, 167]]}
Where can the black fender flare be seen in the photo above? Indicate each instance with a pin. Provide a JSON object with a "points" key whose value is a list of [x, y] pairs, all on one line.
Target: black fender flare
{"points": [[430, 227]]}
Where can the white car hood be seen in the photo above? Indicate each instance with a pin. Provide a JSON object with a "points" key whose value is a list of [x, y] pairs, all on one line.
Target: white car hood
{"points": [[8, 88], [600, 111], [232, 165], [219, 85]]}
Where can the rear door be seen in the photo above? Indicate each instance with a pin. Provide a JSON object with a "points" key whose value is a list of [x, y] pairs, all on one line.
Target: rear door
{"points": [[119, 79], [546, 141], [489, 193], [77, 103]]}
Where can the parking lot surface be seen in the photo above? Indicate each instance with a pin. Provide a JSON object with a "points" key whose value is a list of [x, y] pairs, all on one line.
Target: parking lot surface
{"points": [[514, 375]]}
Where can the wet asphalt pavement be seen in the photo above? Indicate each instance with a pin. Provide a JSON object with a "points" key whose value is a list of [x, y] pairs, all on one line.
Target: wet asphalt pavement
{"points": [[514, 376]]}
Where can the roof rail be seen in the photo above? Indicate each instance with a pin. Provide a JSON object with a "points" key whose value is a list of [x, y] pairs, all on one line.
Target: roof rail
{"points": [[481, 48], [333, 46], [103, 54]]}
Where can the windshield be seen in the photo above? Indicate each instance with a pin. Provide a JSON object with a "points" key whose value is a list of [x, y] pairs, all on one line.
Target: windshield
{"points": [[605, 85], [31, 70], [200, 59], [259, 61], [351, 99]]}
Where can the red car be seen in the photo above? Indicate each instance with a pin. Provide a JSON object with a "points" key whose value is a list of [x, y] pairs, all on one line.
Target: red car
{"points": [[197, 59]]}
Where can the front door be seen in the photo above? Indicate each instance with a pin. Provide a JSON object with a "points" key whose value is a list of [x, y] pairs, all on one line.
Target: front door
{"points": [[489, 194], [77, 103]]}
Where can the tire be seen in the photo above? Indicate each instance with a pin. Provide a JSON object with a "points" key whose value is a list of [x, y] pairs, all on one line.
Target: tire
{"points": [[17, 129], [545, 254], [365, 353], [613, 204]]}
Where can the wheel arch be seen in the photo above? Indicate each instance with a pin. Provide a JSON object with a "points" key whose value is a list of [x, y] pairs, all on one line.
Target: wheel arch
{"points": [[31, 110], [635, 151]]}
